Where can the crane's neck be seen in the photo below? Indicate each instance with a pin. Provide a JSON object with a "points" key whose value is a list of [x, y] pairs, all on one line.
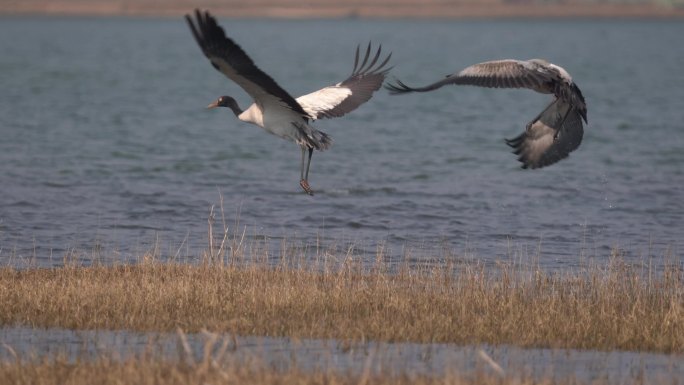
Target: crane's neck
{"points": [[235, 108]]}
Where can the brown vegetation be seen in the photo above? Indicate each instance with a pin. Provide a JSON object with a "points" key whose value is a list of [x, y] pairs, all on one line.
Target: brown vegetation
{"points": [[615, 306]]}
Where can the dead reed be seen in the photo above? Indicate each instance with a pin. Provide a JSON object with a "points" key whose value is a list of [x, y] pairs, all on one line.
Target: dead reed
{"points": [[614, 306]]}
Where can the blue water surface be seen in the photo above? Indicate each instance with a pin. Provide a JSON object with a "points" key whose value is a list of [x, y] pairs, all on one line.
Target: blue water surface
{"points": [[105, 143]]}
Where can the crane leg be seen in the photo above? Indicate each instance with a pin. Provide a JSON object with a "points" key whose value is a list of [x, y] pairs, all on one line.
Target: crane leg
{"points": [[301, 169], [304, 182]]}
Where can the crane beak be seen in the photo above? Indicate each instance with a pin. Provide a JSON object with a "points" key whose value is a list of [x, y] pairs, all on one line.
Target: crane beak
{"points": [[213, 105]]}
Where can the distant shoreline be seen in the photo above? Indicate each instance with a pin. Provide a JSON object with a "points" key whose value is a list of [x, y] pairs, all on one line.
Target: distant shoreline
{"points": [[487, 9]]}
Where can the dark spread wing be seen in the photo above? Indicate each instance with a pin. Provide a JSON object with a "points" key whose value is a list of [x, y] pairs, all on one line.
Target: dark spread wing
{"points": [[227, 57], [572, 94], [494, 74], [346, 96], [556, 132], [552, 137]]}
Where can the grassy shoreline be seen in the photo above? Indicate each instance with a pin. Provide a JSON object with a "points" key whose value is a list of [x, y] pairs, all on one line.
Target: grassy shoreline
{"points": [[616, 306]]}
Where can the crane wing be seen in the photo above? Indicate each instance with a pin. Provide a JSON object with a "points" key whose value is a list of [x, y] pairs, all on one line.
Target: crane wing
{"points": [[535, 74], [572, 94], [552, 137], [346, 96], [228, 58], [493, 74]]}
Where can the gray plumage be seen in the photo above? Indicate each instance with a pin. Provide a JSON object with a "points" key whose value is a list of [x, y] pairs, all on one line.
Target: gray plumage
{"points": [[552, 134]]}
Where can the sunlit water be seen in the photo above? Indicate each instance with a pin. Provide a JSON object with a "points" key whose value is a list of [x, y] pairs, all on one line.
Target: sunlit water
{"points": [[105, 144]]}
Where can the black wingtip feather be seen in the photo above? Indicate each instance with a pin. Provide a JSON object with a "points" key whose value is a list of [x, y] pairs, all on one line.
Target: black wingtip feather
{"points": [[218, 48], [516, 143], [366, 68], [356, 59], [384, 63], [375, 59], [398, 88], [365, 58]]}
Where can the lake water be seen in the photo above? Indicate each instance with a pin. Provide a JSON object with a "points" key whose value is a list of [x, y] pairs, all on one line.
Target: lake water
{"points": [[105, 142]]}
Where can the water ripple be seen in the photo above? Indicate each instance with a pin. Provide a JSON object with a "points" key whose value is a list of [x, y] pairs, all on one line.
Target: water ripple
{"points": [[127, 154]]}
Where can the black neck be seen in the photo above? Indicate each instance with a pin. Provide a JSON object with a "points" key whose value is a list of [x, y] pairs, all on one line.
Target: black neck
{"points": [[235, 108]]}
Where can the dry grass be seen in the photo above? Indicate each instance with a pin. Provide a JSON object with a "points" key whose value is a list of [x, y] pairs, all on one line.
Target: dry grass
{"points": [[615, 306]]}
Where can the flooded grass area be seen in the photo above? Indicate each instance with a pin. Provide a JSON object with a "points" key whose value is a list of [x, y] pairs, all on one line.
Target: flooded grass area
{"points": [[337, 296], [142, 358], [146, 371], [31, 356]]}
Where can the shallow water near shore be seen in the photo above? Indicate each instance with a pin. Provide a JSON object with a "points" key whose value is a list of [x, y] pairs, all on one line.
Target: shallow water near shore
{"points": [[386, 358], [106, 144]]}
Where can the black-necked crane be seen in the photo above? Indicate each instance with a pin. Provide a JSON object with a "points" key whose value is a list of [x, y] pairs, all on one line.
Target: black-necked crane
{"points": [[552, 134], [273, 108]]}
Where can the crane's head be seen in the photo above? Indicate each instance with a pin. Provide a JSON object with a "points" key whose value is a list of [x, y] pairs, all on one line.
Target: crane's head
{"points": [[226, 101]]}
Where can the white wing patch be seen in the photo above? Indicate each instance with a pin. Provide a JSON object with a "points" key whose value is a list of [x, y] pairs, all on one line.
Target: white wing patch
{"points": [[347, 95], [319, 102]]}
